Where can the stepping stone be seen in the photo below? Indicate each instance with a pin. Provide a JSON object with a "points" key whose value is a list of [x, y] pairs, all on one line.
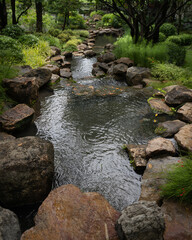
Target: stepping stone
{"points": [[53, 68], [169, 128]]}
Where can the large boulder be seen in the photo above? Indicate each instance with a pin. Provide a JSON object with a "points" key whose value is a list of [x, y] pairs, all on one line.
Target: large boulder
{"points": [[106, 57], [135, 75], [184, 137], [178, 95], [53, 68], [17, 118], [160, 147], [22, 89], [169, 128], [98, 72], [90, 53], [104, 66], [185, 112], [158, 106], [5, 136], [178, 221], [9, 225], [125, 60], [26, 171], [68, 213], [141, 221], [153, 178], [43, 75], [120, 71]]}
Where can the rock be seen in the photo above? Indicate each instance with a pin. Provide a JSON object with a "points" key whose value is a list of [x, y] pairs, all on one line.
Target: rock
{"points": [[169, 128], [106, 57], [140, 86], [153, 178], [53, 68], [169, 88], [184, 137], [158, 106], [109, 46], [141, 221], [137, 154], [178, 221], [160, 146], [9, 225], [65, 73], [24, 69], [58, 58], [66, 65], [26, 171], [135, 75], [147, 82], [4, 136], [89, 53], [125, 60], [67, 54], [82, 47], [103, 66], [17, 118], [96, 71], [91, 40], [22, 89], [54, 79], [185, 112], [55, 51], [42, 75], [178, 95], [120, 71], [67, 213]]}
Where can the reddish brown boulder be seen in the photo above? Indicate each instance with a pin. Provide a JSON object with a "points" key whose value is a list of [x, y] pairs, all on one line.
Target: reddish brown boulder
{"points": [[184, 137], [185, 112], [158, 106], [22, 89], [53, 68], [16, 118], [178, 221], [126, 61], [67, 213]]}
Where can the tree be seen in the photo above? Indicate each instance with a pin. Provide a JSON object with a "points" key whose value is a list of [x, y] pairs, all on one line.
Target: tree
{"points": [[3, 14], [39, 15], [145, 17]]}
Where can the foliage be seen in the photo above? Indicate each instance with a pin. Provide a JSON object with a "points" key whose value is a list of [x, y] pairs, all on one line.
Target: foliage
{"points": [[111, 20], [176, 53], [168, 29], [14, 31], [11, 52], [98, 12], [71, 45], [172, 74], [64, 37], [36, 56], [188, 60], [53, 41], [142, 54], [28, 40], [81, 33], [181, 40], [162, 37], [54, 32], [76, 22], [179, 181]]}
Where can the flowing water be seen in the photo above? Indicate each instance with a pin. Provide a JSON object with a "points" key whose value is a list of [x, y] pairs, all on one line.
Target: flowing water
{"points": [[88, 136]]}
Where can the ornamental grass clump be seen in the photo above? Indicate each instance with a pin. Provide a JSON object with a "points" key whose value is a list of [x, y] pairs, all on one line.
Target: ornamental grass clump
{"points": [[179, 181]]}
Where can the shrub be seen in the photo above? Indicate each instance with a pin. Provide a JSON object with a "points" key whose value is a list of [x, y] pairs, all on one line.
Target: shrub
{"points": [[81, 33], [176, 53], [179, 181], [54, 32], [64, 37], [174, 39], [182, 40], [14, 31], [76, 22], [28, 40], [142, 54], [71, 45], [53, 41], [111, 20], [162, 37], [168, 29], [99, 12], [36, 56], [11, 52]]}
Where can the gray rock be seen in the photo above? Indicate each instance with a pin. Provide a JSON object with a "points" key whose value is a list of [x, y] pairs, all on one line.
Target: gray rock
{"points": [[58, 59], [98, 72], [153, 177], [109, 46], [120, 71], [106, 57], [82, 47], [65, 73], [104, 66], [135, 75], [53, 68], [160, 146], [42, 75], [169, 128], [184, 137], [178, 95], [67, 54], [89, 53], [54, 79], [5, 136], [169, 88], [126, 61], [158, 106], [55, 51], [24, 69], [141, 221], [9, 225], [185, 112], [17, 118], [26, 171], [66, 65]]}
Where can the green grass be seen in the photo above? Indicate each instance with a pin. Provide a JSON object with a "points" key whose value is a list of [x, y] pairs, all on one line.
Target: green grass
{"points": [[179, 181]]}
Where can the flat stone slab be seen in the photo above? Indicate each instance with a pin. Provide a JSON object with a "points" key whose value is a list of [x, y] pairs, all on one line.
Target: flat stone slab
{"points": [[169, 128], [58, 58], [185, 112], [17, 118], [159, 146], [184, 137], [53, 68], [67, 213], [178, 221], [153, 177], [65, 73], [138, 155], [142, 220], [159, 106], [178, 95]]}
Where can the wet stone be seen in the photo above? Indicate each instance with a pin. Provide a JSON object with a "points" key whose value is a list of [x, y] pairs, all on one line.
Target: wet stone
{"points": [[169, 128], [159, 106]]}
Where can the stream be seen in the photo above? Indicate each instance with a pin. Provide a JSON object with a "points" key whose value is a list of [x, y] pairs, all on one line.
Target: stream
{"points": [[88, 135]]}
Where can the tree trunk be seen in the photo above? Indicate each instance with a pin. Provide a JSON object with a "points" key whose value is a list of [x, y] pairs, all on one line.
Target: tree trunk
{"points": [[14, 21], [39, 16], [3, 14]]}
